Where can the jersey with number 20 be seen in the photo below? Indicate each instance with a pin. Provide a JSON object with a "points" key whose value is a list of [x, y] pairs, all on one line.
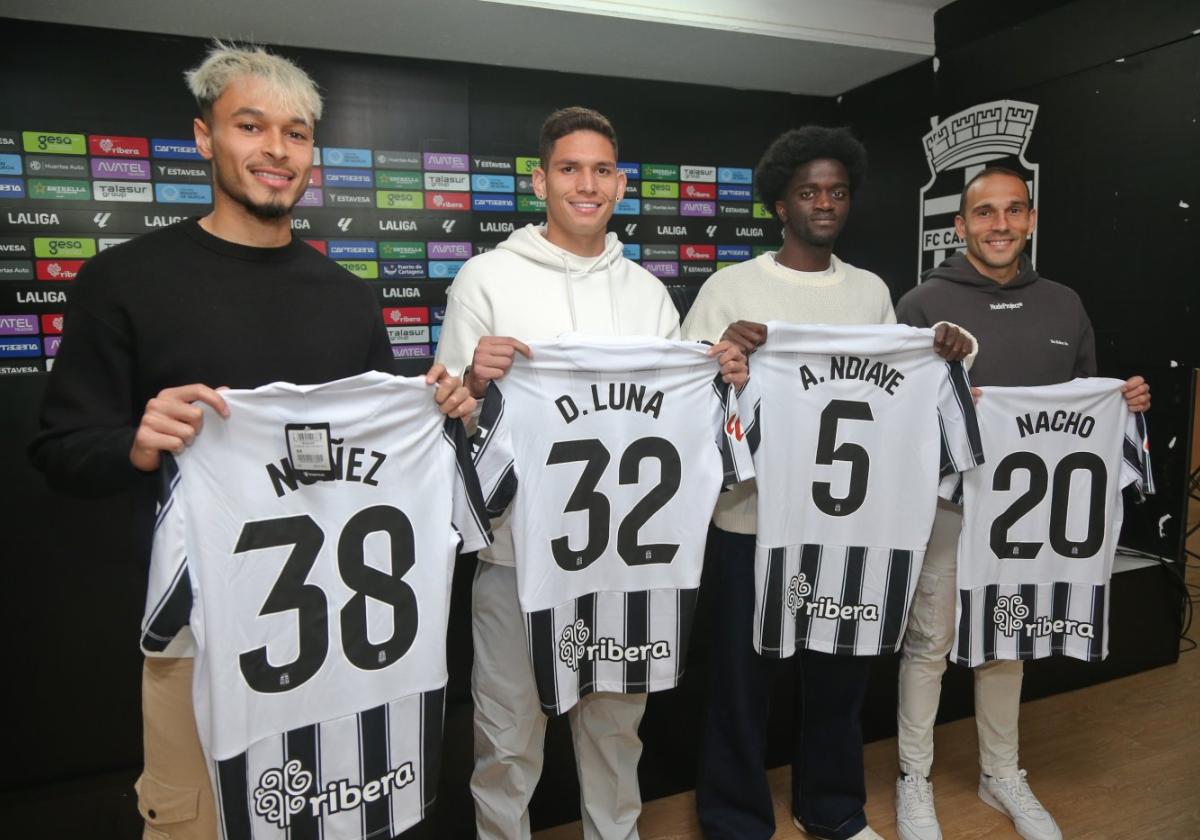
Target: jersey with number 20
{"points": [[309, 541], [1041, 520]]}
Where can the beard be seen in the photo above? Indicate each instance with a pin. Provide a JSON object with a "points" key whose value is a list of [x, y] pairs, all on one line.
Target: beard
{"points": [[268, 211]]}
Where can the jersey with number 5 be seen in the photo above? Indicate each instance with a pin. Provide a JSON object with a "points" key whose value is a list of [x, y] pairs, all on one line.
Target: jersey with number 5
{"points": [[309, 541], [614, 450], [1042, 518], [852, 429]]}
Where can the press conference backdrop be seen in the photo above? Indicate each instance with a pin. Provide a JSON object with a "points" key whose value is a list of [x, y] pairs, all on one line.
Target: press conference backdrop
{"points": [[423, 164]]}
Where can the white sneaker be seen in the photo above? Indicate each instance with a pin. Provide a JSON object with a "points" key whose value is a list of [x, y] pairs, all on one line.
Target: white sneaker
{"points": [[866, 834], [1013, 797], [915, 817]]}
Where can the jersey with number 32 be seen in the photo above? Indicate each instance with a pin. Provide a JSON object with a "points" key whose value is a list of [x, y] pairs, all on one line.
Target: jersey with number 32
{"points": [[309, 541], [615, 450]]}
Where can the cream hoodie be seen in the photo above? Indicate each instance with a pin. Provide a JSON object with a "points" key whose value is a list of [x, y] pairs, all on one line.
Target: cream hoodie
{"points": [[529, 288]]}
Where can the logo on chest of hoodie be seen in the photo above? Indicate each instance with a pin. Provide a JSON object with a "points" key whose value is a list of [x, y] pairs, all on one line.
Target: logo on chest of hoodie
{"points": [[1000, 306]]}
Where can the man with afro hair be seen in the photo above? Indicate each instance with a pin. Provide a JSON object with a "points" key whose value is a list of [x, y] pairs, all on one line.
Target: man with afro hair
{"points": [[806, 179]]}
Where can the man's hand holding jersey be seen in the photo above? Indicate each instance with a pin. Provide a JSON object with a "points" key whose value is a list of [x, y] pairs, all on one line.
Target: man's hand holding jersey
{"points": [[492, 358], [452, 396], [171, 422], [732, 358]]}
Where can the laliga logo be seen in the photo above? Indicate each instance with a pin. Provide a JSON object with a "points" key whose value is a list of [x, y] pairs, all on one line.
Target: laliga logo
{"points": [[344, 223], [448, 225], [711, 230], [798, 590], [957, 149], [571, 645], [281, 794], [101, 219], [630, 229], [1008, 613]]}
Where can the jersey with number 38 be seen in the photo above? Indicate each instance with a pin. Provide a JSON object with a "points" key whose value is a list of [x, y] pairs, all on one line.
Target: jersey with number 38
{"points": [[1042, 518], [309, 541], [619, 447], [852, 429]]}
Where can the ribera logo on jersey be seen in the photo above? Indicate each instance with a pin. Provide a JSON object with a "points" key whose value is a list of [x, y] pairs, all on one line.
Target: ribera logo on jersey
{"points": [[1010, 613], [799, 590], [574, 648], [958, 148], [284, 792]]}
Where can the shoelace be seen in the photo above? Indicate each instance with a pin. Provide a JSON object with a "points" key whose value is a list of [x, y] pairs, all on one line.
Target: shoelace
{"points": [[1019, 790], [918, 796]]}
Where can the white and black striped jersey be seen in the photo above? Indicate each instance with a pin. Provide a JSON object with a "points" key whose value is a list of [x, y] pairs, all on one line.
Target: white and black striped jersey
{"points": [[620, 447], [309, 541], [852, 429], [1041, 520]]}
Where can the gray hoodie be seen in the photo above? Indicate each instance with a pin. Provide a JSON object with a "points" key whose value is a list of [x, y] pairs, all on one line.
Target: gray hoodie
{"points": [[1031, 331]]}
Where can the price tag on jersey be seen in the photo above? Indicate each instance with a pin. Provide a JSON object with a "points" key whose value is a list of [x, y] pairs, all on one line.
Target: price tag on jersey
{"points": [[310, 449]]}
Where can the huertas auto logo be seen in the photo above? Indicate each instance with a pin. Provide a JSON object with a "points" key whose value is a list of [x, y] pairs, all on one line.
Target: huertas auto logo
{"points": [[631, 229], [344, 223], [448, 225], [958, 148], [101, 219]]}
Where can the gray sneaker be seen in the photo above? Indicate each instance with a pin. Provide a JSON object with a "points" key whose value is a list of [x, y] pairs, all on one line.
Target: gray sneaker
{"points": [[915, 817], [1013, 798]]}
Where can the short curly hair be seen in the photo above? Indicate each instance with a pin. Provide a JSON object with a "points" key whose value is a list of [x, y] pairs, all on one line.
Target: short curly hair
{"points": [[794, 148]]}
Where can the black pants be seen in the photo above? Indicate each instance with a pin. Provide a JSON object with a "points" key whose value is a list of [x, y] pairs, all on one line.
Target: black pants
{"points": [[733, 799]]}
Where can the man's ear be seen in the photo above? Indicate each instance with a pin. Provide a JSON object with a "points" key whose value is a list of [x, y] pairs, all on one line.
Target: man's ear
{"points": [[539, 183], [203, 138]]}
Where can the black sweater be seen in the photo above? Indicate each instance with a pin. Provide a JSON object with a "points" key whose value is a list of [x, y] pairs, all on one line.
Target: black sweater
{"points": [[1031, 331], [181, 306]]}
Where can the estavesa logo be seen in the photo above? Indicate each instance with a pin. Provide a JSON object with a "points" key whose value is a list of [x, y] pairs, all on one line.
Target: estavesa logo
{"points": [[447, 201], [698, 192], [109, 146], [698, 252], [405, 315], [58, 269]]}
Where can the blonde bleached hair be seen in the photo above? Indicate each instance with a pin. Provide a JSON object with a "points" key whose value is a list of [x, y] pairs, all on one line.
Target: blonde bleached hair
{"points": [[225, 63]]}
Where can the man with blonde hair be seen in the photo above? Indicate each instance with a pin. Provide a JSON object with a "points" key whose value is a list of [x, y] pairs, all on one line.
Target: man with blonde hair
{"points": [[199, 302]]}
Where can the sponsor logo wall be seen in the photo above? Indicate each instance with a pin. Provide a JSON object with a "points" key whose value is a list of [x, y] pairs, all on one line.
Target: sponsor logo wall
{"points": [[405, 220]]}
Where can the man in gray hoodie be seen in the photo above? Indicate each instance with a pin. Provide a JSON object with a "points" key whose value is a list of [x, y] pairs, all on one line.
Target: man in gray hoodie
{"points": [[1031, 331]]}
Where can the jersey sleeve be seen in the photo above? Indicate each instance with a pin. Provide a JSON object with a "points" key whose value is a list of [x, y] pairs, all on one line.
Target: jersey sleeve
{"points": [[493, 453], [1135, 456], [748, 405], [961, 443], [737, 460], [470, 516], [169, 592]]}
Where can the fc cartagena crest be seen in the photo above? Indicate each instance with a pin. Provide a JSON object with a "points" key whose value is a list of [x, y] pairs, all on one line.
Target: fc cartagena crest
{"points": [[958, 148]]}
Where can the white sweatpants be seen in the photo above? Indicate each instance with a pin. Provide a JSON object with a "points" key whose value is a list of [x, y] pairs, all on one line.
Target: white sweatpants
{"points": [[927, 641], [510, 728]]}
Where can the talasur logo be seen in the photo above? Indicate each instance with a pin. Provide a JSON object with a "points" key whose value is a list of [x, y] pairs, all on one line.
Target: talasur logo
{"points": [[344, 223], [958, 148], [574, 648]]}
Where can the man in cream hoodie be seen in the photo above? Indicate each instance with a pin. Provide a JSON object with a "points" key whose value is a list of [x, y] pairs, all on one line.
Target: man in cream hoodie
{"points": [[565, 276]]}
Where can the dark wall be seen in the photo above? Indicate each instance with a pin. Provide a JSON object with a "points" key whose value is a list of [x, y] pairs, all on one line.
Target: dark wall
{"points": [[1117, 90]]}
